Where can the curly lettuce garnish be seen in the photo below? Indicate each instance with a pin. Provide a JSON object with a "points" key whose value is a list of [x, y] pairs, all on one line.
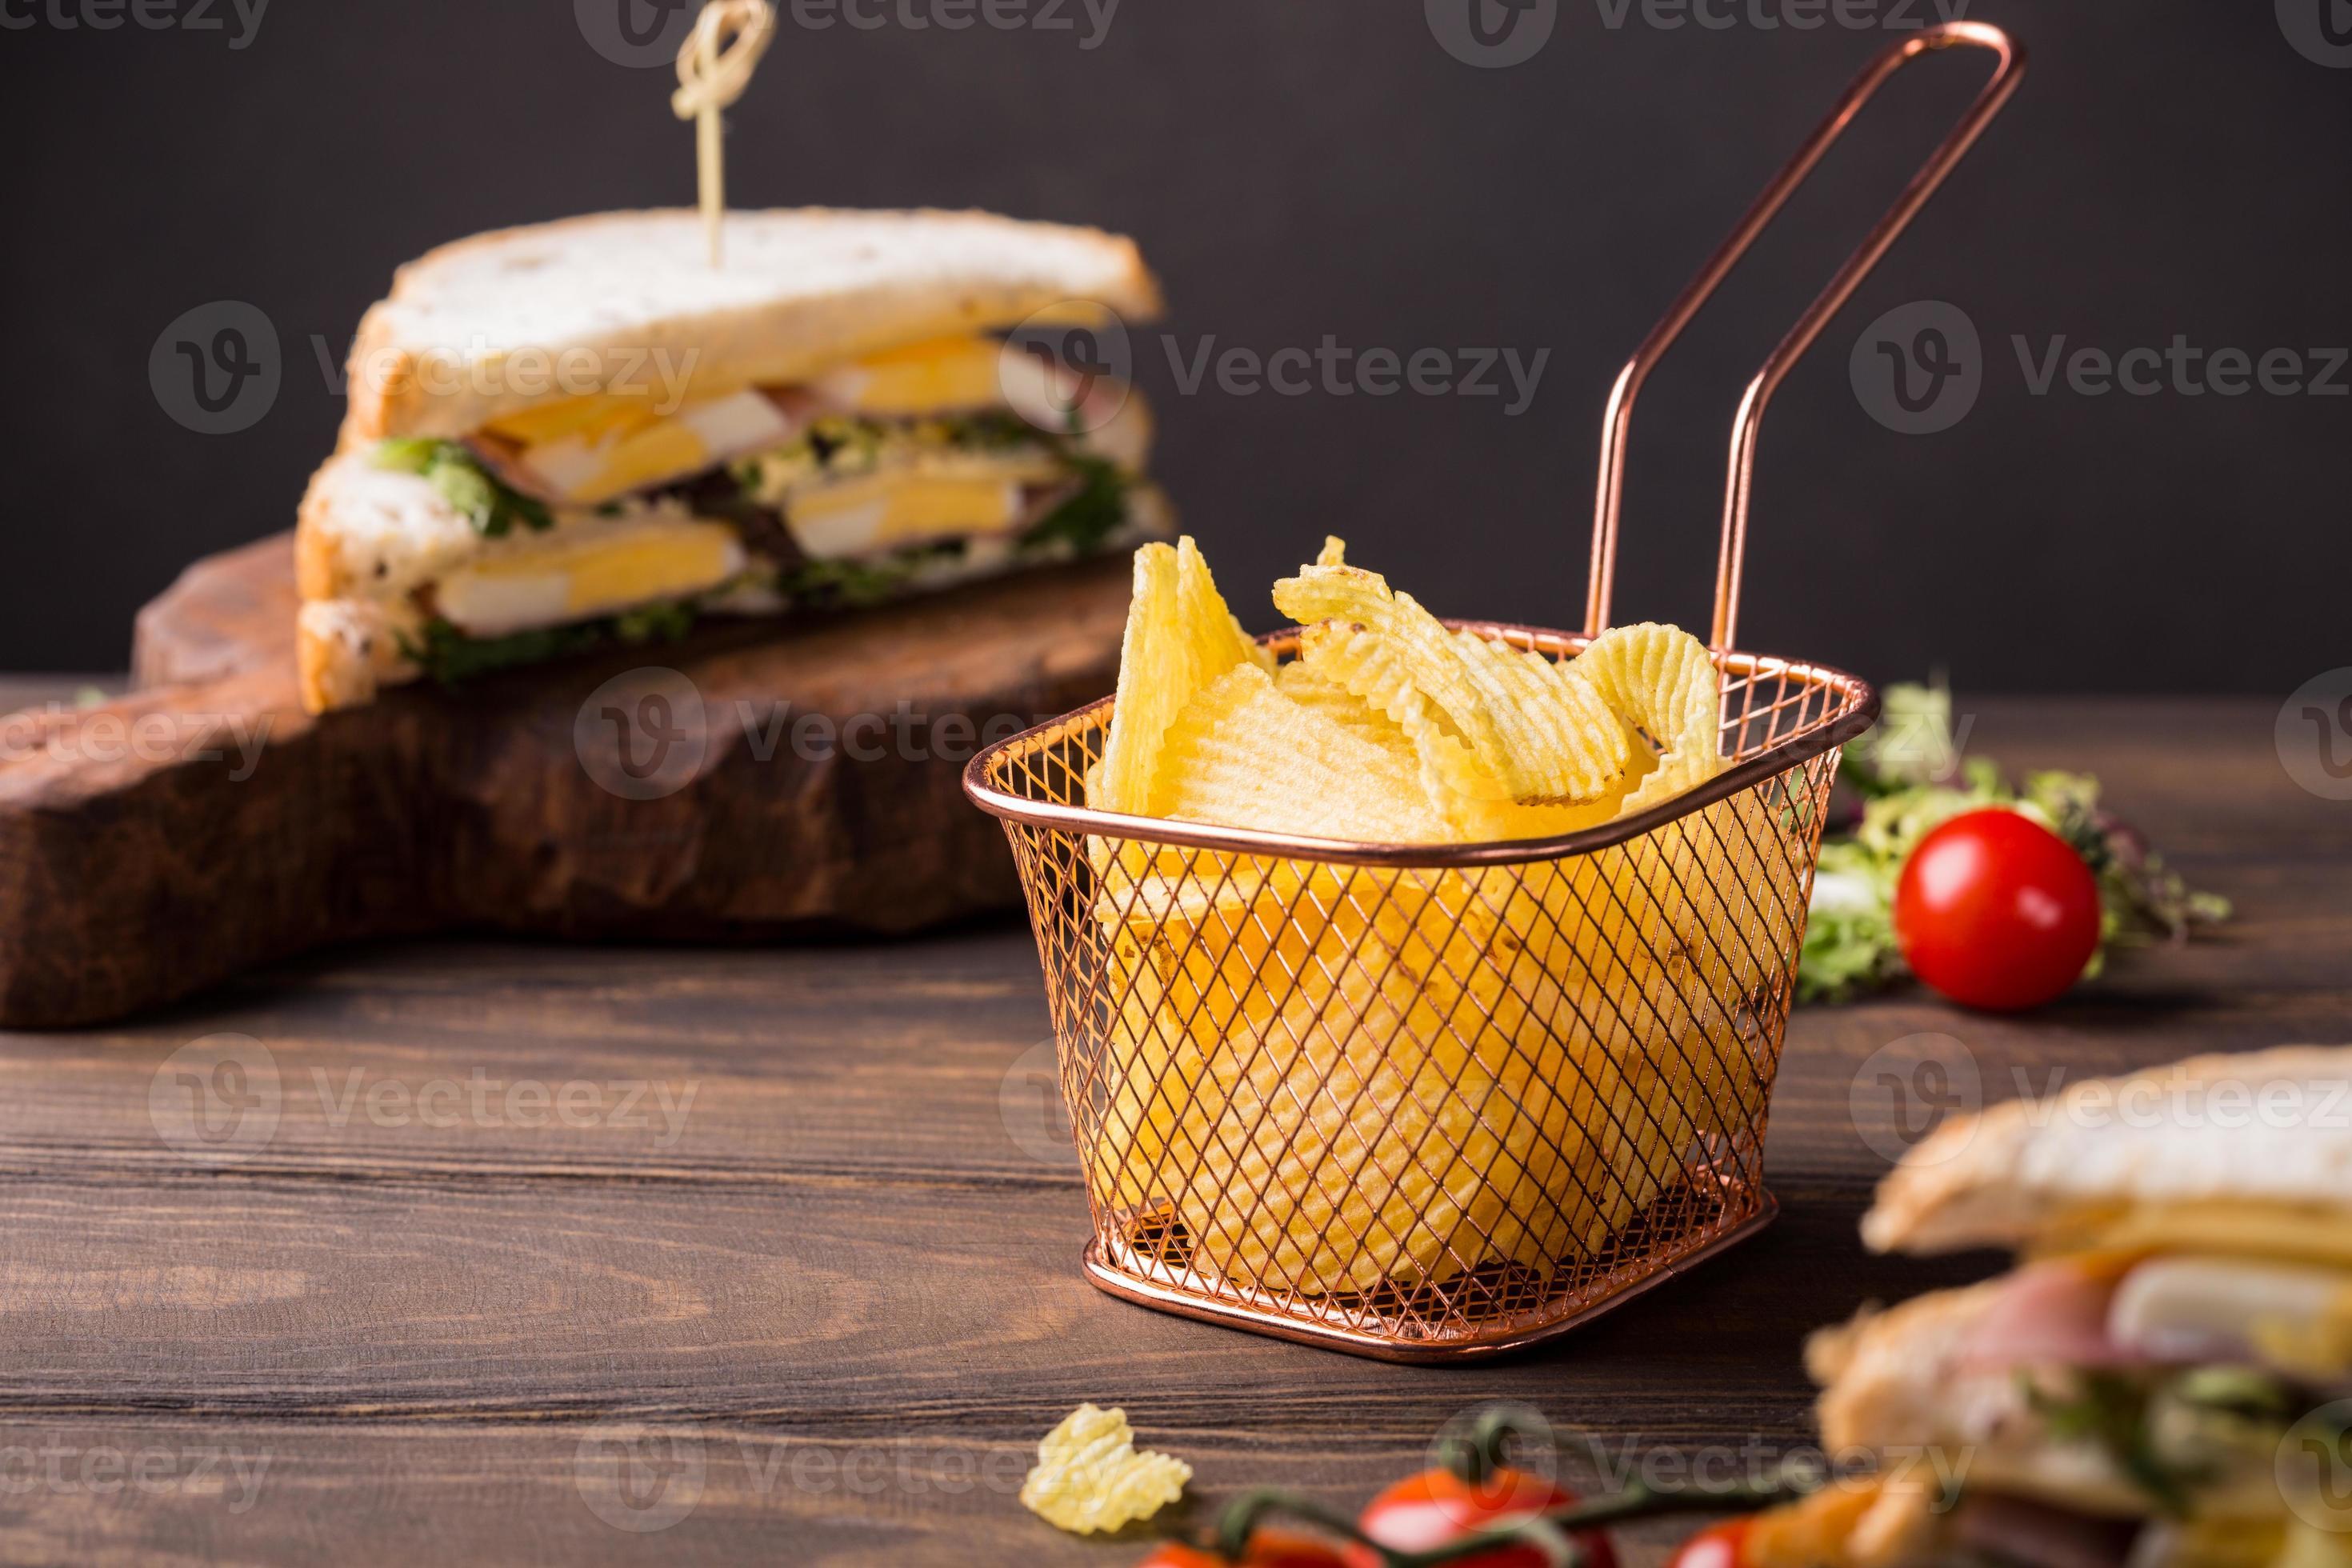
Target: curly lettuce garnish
{"points": [[1911, 779]]}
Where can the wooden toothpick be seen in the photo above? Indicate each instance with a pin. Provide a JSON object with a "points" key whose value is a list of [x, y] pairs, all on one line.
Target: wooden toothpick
{"points": [[714, 67]]}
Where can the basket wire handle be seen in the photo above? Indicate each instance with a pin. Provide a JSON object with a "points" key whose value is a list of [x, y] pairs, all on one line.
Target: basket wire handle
{"points": [[1731, 558]]}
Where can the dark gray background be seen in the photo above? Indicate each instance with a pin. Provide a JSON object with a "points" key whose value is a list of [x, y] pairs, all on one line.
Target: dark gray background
{"points": [[1298, 168]]}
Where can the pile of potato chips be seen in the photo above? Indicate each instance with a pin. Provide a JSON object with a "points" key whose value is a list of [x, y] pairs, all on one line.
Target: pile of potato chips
{"points": [[1337, 1077]]}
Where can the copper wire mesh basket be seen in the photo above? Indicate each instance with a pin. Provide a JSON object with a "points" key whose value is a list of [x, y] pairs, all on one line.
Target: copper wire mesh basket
{"points": [[1422, 1102]]}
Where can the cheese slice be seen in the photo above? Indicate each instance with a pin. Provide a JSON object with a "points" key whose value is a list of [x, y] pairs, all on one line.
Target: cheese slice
{"points": [[928, 377], [600, 570], [2238, 1229], [2199, 1307], [609, 452], [591, 417], [892, 511]]}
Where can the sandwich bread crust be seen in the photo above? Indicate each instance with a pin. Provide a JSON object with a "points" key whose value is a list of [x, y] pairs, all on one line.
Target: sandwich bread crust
{"points": [[2266, 1127], [487, 327]]}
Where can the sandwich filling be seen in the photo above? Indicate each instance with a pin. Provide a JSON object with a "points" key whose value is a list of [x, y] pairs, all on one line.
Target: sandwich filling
{"points": [[2144, 1391], [607, 517]]}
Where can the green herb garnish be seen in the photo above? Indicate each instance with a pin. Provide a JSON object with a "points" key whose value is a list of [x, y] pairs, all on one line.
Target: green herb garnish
{"points": [[850, 584], [2110, 1411], [469, 488], [1095, 511], [451, 656], [656, 623]]}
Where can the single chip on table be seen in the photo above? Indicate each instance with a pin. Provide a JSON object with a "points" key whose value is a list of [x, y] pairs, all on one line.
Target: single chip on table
{"points": [[1089, 1475]]}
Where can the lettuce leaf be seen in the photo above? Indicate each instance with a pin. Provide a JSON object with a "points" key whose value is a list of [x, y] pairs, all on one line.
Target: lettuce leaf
{"points": [[1910, 779]]}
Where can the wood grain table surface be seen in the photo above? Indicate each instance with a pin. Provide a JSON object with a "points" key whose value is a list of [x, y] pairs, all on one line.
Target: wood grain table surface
{"points": [[543, 1254]]}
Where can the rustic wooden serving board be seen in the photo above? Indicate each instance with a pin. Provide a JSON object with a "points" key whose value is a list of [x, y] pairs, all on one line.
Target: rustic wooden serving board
{"points": [[778, 779]]}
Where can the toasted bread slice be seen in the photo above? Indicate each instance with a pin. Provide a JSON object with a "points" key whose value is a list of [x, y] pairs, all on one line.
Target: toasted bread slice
{"points": [[484, 328], [2267, 1128]]}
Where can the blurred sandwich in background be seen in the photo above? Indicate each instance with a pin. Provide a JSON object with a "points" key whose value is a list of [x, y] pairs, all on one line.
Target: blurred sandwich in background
{"points": [[579, 433]]}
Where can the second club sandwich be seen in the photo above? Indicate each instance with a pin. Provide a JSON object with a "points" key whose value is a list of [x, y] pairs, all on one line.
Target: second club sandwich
{"points": [[582, 432], [2160, 1381]]}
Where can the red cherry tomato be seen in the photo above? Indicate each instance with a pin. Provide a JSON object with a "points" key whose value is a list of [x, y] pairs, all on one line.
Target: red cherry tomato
{"points": [[1267, 1549], [1996, 911], [1718, 1546], [1437, 1508]]}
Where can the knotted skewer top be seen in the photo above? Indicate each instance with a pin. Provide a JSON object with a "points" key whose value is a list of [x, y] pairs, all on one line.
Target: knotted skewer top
{"points": [[714, 68]]}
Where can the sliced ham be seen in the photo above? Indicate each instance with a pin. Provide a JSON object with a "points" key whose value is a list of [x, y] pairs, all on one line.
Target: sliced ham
{"points": [[2047, 1314]]}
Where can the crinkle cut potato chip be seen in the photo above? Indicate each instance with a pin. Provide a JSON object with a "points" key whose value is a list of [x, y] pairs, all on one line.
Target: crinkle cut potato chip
{"points": [[1156, 678], [1218, 641], [1319, 694], [1661, 678], [1244, 755], [1180, 638], [1369, 665], [1089, 1475], [1537, 736]]}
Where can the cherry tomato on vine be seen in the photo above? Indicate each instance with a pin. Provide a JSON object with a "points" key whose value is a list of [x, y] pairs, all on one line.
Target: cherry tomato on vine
{"points": [[1718, 1546], [1267, 1549], [1437, 1508], [1996, 911]]}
